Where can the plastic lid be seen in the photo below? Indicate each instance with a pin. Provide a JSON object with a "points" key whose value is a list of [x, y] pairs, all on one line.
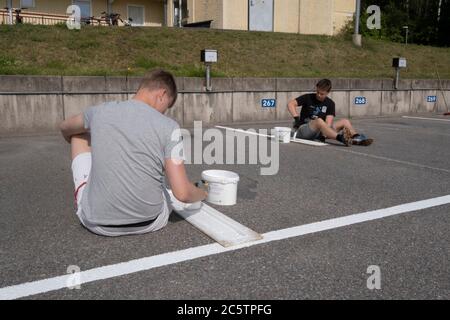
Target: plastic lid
{"points": [[220, 176]]}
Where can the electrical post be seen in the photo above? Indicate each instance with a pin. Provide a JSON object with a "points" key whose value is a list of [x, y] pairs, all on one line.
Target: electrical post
{"points": [[357, 38], [398, 63], [406, 34], [208, 57]]}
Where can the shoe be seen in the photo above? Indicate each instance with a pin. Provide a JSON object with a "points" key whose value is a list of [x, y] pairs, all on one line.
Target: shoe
{"points": [[362, 140], [322, 139], [347, 137]]}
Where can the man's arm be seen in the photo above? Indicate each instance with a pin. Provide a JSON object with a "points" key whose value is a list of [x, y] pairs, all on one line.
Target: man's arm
{"points": [[182, 188], [72, 126], [329, 120], [292, 107]]}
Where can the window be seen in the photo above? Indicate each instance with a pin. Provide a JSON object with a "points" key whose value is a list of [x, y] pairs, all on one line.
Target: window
{"points": [[184, 12], [27, 4], [136, 13], [85, 7]]}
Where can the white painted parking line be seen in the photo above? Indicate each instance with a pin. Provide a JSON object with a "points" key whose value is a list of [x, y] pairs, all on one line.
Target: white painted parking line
{"points": [[412, 164], [413, 129], [215, 224], [421, 118], [309, 142], [144, 264], [246, 132], [301, 141]]}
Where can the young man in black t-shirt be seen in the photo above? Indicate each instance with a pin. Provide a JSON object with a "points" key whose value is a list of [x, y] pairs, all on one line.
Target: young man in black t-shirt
{"points": [[316, 119]]}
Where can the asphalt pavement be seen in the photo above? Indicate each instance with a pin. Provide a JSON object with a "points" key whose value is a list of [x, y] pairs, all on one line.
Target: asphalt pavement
{"points": [[409, 161]]}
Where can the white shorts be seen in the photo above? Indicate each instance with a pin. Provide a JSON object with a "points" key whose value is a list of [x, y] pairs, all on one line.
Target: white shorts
{"points": [[81, 168]]}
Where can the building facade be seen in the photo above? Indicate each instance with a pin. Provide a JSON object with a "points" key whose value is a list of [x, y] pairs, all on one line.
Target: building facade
{"points": [[149, 13], [293, 16]]}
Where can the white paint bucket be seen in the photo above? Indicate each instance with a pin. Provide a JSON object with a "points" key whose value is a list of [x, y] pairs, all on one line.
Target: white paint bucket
{"points": [[222, 186], [283, 134]]}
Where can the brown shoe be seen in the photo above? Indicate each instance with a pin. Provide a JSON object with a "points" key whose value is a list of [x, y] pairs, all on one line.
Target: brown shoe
{"points": [[366, 142], [347, 137], [362, 140]]}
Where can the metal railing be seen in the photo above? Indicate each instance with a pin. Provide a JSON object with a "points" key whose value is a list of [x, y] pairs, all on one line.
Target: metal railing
{"points": [[19, 16], [31, 17]]}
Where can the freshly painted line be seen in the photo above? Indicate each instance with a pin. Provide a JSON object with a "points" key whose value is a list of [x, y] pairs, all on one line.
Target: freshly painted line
{"points": [[407, 129], [215, 224], [309, 142], [144, 264], [356, 218], [420, 118], [246, 132], [107, 272], [301, 141], [395, 160]]}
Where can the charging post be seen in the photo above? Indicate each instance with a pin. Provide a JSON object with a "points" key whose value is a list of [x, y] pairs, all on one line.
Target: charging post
{"points": [[208, 57], [398, 63]]}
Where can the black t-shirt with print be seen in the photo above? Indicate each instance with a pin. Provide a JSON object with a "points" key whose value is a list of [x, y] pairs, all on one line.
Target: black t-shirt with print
{"points": [[311, 108]]}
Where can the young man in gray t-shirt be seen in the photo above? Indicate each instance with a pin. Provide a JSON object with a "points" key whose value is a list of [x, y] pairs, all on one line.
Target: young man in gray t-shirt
{"points": [[121, 154]]}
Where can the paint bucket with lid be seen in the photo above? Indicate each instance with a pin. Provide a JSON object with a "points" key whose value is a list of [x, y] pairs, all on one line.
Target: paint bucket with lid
{"points": [[222, 187], [283, 134]]}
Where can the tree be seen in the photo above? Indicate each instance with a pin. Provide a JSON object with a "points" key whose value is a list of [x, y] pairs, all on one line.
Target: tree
{"points": [[427, 21]]}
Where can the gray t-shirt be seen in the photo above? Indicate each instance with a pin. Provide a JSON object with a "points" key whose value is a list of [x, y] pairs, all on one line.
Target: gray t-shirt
{"points": [[130, 141]]}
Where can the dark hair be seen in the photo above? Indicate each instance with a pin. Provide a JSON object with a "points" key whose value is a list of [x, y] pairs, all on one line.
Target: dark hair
{"points": [[160, 79], [324, 84]]}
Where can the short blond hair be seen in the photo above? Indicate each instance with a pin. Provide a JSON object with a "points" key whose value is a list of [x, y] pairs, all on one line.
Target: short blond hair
{"points": [[160, 79]]}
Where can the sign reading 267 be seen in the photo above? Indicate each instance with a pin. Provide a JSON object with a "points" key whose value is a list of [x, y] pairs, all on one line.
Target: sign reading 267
{"points": [[74, 19], [268, 103]]}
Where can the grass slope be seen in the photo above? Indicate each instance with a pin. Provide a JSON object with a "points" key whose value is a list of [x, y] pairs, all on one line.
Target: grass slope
{"points": [[55, 50]]}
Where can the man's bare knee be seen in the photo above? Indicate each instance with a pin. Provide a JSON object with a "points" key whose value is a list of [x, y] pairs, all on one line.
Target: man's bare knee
{"points": [[315, 124], [320, 123]]}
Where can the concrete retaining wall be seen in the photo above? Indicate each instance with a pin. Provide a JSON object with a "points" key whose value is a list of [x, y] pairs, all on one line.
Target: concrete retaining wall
{"points": [[31, 104]]}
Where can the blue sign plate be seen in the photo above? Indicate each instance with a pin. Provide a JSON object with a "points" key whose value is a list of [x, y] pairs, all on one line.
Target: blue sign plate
{"points": [[360, 100], [269, 103], [432, 99]]}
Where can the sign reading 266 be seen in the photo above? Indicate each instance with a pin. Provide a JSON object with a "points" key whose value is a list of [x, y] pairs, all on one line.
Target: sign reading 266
{"points": [[360, 100], [74, 19]]}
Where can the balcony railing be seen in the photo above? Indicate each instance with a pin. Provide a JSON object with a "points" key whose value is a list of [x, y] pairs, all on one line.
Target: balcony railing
{"points": [[32, 17], [48, 19]]}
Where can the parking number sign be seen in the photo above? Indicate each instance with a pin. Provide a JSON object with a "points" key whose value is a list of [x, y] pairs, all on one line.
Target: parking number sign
{"points": [[432, 99], [360, 100], [269, 103]]}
